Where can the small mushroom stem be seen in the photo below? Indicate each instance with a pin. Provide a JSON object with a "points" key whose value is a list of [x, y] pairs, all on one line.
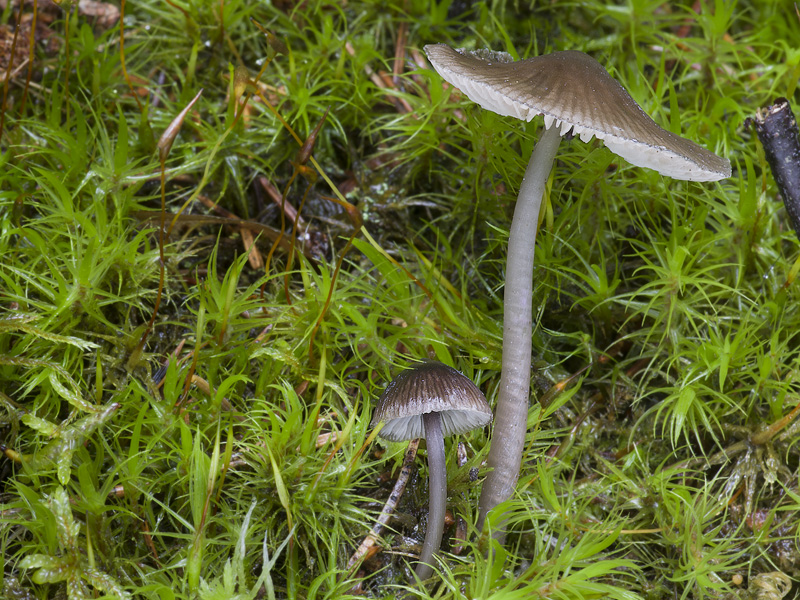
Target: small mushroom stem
{"points": [[437, 492], [511, 413]]}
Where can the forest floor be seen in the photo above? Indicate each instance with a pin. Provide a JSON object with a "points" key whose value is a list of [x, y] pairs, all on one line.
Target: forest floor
{"points": [[186, 395]]}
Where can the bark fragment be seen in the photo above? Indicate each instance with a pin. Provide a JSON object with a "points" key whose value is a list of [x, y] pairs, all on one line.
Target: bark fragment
{"points": [[777, 131]]}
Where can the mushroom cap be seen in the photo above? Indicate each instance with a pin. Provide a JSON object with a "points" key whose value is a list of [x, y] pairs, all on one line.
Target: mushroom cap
{"points": [[573, 91], [430, 387]]}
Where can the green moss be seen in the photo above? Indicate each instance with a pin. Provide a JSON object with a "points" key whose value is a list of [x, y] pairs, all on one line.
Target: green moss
{"points": [[230, 457]]}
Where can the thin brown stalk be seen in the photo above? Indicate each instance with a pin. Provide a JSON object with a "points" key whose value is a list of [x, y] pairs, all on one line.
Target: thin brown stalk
{"points": [[389, 507], [122, 52], [7, 81]]}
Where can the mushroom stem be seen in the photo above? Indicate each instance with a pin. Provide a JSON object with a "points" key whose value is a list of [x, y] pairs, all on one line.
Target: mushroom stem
{"points": [[437, 483], [511, 413]]}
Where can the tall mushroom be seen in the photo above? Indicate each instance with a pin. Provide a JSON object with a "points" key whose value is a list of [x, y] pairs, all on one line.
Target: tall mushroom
{"points": [[574, 93], [431, 401]]}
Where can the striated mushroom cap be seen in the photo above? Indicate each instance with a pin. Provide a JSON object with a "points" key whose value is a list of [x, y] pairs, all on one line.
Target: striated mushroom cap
{"points": [[574, 92], [430, 387]]}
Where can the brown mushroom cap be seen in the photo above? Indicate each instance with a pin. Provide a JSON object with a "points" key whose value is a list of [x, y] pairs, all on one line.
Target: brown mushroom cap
{"points": [[574, 92], [430, 387]]}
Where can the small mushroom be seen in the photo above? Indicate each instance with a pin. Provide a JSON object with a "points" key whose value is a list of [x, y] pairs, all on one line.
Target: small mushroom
{"points": [[431, 401], [574, 93]]}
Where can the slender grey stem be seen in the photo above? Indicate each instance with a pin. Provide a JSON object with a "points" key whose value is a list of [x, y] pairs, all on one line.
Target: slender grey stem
{"points": [[437, 492], [511, 414]]}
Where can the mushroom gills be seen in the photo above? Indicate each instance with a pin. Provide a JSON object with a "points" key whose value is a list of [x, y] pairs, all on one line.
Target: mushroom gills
{"points": [[453, 421]]}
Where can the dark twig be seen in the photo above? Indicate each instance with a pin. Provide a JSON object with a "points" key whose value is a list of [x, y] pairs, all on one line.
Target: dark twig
{"points": [[777, 131]]}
